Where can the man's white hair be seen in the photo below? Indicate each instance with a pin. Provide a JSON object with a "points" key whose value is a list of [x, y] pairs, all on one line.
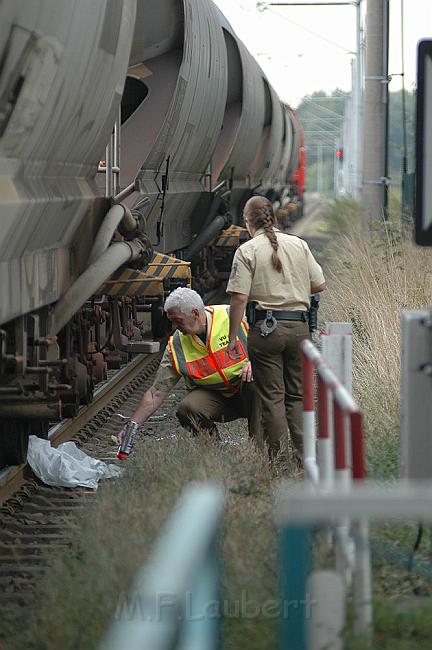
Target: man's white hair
{"points": [[185, 300]]}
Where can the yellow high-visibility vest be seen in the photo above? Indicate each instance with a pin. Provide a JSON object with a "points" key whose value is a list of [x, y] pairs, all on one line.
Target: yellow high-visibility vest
{"points": [[210, 367]]}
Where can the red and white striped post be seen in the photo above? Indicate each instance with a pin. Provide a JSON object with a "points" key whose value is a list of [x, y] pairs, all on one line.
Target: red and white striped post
{"points": [[346, 434], [342, 468], [357, 446], [309, 434], [325, 442], [347, 418]]}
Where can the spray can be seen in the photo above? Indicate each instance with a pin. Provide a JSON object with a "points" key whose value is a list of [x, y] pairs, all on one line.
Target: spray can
{"points": [[127, 443]]}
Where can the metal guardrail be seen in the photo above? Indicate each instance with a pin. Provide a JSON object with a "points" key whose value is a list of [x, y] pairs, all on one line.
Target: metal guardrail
{"points": [[171, 604], [300, 510], [345, 422], [340, 459]]}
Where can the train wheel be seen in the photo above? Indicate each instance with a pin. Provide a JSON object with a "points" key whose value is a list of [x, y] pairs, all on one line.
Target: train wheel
{"points": [[70, 409], [159, 322], [39, 429], [99, 367], [87, 396], [14, 437]]}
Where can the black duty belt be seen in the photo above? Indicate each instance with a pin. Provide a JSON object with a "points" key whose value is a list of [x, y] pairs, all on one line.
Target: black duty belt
{"points": [[261, 314]]}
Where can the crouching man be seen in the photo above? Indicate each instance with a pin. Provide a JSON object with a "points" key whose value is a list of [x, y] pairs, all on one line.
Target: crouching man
{"points": [[220, 388]]}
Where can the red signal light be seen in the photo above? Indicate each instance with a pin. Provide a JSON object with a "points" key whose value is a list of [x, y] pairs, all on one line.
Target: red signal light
{"points": [[339, 154]]}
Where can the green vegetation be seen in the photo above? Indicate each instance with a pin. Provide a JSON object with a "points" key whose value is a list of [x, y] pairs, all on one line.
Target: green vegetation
{"points": [[395, 133], [397, 628], [342, 217], [323, 112], [112, 538], [369, 282]]}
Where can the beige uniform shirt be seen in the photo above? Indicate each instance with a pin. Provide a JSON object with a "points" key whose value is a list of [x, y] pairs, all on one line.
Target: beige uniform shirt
{"points": [[253, 273]]}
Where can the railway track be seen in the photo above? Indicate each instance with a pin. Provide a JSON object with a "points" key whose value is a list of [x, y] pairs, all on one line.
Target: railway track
{"points": [[33, 515], [306, 228], [12, 478]]}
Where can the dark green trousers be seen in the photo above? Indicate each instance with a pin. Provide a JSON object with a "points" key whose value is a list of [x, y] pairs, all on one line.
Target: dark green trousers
{"points": [[202, 407], [276, 366]]}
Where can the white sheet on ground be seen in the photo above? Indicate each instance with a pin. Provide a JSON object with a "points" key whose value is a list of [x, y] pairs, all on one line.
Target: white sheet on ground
{"points": [[66, 465]]}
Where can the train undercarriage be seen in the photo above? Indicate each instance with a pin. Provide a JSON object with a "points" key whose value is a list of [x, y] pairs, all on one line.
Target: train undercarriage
{"points": [[45, 378]]}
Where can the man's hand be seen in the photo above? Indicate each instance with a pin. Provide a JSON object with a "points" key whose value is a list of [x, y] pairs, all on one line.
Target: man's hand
{"points": [[120, 434], [247, 372], [234, 350]]}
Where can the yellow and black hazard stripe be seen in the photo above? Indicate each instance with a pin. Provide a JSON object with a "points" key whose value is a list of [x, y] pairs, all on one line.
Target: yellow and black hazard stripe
{"points": [[232, 236], [165, 267], [131, 282], [150, 280]]}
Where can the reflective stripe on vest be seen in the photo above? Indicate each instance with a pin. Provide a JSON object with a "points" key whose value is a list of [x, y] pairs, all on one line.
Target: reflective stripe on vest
{"points": [[210, 367]]}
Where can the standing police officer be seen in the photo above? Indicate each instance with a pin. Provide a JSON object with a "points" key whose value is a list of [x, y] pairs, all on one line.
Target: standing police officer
{"points": [[278, 272]]}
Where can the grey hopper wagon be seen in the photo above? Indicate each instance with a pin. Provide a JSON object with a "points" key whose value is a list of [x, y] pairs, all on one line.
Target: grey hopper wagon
{"points": [[204, 113], [201, 130]]}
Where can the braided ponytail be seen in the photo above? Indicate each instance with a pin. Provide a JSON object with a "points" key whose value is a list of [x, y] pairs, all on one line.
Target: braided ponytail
{"points": [[271, 236], [259, 212]]}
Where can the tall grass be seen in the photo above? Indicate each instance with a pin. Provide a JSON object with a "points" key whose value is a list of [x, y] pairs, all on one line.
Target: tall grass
{"points": [[114, 535], [341, 218], [369, 284]]}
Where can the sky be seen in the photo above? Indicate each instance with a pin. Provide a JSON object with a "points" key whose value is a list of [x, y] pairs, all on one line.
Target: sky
{"points": [[306, 49]]}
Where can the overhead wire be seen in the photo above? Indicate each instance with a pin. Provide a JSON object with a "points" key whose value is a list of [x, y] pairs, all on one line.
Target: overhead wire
{"points": [[310, 31]]}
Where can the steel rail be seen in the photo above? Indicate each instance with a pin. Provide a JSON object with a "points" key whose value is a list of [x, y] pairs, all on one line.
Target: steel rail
{"points": [[12, 478]]}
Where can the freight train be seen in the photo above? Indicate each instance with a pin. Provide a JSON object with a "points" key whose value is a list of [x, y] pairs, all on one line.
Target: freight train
{"points": [[131, 134]]}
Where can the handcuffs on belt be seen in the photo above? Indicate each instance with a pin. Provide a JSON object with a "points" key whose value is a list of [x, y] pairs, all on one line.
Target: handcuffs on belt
{"points": [[269, 323]]}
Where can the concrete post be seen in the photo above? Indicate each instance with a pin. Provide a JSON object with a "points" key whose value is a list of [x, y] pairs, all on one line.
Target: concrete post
{"points": [[336, 348], [375, 100], [416, 394]]}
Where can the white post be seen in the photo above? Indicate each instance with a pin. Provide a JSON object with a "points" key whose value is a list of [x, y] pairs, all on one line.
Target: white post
{"points": [[336, 348], [325, 454], [327, 614], [416, 394], [362, 579], [309, 447], [345, 550]]}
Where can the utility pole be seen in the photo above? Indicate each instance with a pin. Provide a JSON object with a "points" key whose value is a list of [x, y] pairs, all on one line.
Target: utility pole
{"points": [[375, 112], [357, 86]]}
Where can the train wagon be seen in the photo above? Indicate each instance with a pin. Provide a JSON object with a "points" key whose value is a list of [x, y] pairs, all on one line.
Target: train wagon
{"points": [[131, 135]]}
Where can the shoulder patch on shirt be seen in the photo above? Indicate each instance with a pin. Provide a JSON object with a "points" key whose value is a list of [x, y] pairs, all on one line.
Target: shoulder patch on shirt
{"points": [[233, 270]]}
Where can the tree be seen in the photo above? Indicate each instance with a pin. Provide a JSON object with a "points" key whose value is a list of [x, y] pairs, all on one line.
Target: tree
{"points": [[321, 115], [395, 144]]}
